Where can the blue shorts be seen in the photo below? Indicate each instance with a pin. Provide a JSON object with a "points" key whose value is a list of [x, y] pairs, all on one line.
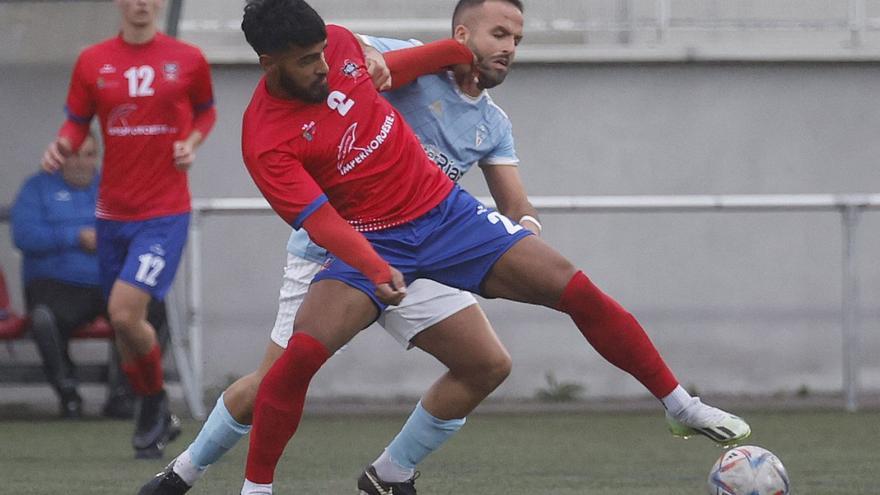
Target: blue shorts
{"points": [[457, 243], [143, 253]]}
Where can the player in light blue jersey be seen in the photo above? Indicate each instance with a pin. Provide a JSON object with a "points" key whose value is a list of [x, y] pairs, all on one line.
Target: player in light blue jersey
{"points": [[459, 126]]}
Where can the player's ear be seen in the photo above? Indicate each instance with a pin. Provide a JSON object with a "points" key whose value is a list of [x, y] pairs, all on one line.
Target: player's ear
{"points": [[266, 61], [461, 33]]}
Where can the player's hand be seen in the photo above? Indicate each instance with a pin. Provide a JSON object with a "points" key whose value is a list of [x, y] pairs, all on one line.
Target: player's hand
{"points": [[56, 155], [377, 68], [184, 155], [394, 292], [88, 240], [469, 74]]}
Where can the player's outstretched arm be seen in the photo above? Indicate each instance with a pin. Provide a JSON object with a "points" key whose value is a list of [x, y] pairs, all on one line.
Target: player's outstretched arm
{"points": [[408, 64], [506, 188]]}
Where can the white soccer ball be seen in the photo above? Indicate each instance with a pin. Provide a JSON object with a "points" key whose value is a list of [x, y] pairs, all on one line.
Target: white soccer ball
{"points": [[748, 470]]}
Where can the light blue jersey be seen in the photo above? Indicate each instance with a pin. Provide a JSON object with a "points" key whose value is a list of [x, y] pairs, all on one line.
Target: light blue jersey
{"points": [[457, 131]]}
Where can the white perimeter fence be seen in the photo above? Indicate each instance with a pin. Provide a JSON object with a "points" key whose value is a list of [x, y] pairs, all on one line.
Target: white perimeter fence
{"points": [[188, 345]]}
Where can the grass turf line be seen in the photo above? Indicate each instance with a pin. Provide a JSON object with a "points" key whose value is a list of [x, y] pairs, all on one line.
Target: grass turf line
{"points": [[826, 453]]}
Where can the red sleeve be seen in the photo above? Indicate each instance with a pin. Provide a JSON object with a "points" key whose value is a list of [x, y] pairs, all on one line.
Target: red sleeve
{"points": [[333, 233], [204, 121], [293, 194], [74, 132], [407, 64], [80, 107], [285, 184], [201, 96]]}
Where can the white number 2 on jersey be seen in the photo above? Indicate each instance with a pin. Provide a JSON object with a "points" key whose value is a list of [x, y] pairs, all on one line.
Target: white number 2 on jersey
{"points": [[140, 80], [338, 101], [511, 228], [151, 267]]}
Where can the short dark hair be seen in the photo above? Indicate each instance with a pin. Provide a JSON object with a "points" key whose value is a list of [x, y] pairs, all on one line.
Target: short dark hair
{"points": [[463, 5], [272, 26]]}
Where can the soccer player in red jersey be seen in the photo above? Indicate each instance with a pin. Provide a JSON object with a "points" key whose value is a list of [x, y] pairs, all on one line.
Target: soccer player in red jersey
{"points": [[333, 157], [154, 99]]}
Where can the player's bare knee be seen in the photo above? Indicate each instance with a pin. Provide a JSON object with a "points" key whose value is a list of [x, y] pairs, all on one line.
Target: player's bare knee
{"points": [[491, 373], [123, 319], [500, 369]]}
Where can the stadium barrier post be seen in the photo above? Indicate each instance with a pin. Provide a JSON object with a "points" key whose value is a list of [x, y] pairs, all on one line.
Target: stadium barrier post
{"points": [[850, 306]]}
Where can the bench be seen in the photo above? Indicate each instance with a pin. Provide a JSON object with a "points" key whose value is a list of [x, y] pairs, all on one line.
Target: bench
{"points": [[14, 328]]}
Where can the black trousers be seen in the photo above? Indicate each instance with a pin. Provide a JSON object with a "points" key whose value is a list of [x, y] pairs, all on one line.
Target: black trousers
{"points": [[56, 310]]}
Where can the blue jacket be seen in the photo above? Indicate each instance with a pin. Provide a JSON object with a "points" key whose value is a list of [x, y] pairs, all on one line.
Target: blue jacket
{"points": [[46, 219]]}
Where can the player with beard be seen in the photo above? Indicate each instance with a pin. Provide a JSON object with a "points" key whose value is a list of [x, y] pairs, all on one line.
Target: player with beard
{"points": [[424, 431], [445, 322]]}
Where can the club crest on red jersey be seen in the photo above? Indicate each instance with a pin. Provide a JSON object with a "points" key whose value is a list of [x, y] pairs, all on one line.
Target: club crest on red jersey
{"points": [[351, 69], [171, 71]]}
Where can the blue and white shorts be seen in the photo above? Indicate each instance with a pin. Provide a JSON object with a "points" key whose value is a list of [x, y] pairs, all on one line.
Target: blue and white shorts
{"points": [[143, 253], [426, 303], [456, 244]]}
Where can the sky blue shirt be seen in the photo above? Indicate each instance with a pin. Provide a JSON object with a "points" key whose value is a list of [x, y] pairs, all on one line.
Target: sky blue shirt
{"points": [[457, 131], [46, 219]]}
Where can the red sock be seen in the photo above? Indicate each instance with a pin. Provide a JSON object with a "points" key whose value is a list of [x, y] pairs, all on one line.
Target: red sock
{"points": [[616, 335], [145, 372], [279, 404]]}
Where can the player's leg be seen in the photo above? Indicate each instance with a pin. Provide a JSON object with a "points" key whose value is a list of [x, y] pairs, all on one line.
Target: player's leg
{"points": [[54, 309], [533, 272], [138, 261], [448, 324], [230, 419], [228, 422], [332, 313]]}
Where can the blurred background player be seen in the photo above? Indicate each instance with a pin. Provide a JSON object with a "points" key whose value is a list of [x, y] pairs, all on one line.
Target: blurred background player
{"points": [[392, 200], [154, 98], [465, 128]]}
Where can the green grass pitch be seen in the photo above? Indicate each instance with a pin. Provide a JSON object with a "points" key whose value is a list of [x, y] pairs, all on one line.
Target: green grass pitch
{"points": [[826, 453]]}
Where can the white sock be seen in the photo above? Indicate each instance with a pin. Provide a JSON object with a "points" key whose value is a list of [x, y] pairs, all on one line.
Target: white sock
{"points": [[389, 470], [251, 488], [677, 401], [184, 467]]}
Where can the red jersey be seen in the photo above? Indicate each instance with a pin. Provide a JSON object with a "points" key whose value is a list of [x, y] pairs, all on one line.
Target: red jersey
{"points": [[353, 149], [146, 96]]}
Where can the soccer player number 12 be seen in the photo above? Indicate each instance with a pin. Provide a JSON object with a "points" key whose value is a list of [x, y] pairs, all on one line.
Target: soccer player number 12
{"points": [[140, 80]]}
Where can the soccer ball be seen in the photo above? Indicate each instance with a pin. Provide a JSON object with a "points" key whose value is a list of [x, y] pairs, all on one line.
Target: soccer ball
{"points": [[748, 470]]}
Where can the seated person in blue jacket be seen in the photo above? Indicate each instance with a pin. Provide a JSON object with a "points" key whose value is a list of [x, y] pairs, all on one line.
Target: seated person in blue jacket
{"points": [[53, 224]]}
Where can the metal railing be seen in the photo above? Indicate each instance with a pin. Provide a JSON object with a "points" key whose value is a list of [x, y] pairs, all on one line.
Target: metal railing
{"points": [[850, 206], [614, 30]]}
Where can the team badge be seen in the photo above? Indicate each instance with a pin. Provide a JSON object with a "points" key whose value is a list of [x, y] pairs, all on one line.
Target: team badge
{"points": [[351, 69], [437, 108], [107, 69], [482, 132], [171, 71], [308, 131]]}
